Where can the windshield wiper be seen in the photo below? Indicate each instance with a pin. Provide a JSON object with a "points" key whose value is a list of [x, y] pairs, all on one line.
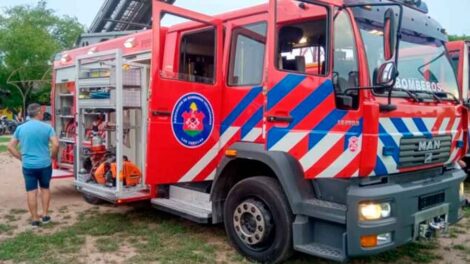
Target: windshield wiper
{"points": [[434, 95], [410, 93], [456, 100]]}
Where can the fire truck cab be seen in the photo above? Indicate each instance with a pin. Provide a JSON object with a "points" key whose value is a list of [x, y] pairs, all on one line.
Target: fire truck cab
{"points": [[323, 126]]}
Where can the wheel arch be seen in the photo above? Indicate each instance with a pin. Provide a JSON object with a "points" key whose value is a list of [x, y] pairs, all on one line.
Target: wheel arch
{"points": [[253, 160]]}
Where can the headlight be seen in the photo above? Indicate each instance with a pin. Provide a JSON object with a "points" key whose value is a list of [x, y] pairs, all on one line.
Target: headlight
{"points": [[462, 190], [374, 211]]}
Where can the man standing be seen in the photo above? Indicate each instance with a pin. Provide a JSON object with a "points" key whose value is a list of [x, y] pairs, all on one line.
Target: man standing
{"points": [[33, 138]]}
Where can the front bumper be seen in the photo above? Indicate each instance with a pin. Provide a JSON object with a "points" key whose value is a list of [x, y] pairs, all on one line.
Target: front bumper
{"points": [[406, 213]]}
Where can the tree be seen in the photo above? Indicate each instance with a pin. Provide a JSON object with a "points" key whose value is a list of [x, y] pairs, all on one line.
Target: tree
{"points": [[457, 37], [30, 36]]}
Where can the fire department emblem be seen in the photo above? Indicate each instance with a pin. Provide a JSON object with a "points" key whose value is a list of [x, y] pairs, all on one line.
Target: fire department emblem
{"points": [[192, 120], [353, 144]]}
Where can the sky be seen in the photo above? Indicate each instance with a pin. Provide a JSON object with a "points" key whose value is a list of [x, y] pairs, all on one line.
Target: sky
{"points": [[450, 13]]}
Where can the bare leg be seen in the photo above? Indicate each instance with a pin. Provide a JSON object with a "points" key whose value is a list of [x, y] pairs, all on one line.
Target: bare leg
{"points": [[46, 200], [33, 204]]}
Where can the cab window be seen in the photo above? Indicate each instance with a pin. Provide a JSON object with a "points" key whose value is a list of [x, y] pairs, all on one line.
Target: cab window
{"points": [[247, 55], [454, 60], [345, 63], [197, 57], [302, 46]]}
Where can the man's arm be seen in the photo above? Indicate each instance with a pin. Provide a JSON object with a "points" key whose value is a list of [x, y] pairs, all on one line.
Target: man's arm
{"points": [[12, 148], [54, 147]]}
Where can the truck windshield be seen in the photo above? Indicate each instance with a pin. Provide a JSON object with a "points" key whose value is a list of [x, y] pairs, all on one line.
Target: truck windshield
{"points": [[423, 63]]}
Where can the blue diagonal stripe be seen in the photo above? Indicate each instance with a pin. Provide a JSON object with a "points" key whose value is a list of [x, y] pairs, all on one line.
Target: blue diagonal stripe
{"points": [[422, 126], [236, 112], [400, 125], [252, 122], [388, 141], [380, 168], [283, 88], [324, 127], [303, 109]]}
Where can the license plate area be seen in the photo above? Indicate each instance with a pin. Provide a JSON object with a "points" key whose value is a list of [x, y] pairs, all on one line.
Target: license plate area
{"points": [[431, 221], [431, 200]]}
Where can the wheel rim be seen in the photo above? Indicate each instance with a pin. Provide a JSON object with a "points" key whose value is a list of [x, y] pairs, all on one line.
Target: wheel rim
{"points": [[252, 222]]}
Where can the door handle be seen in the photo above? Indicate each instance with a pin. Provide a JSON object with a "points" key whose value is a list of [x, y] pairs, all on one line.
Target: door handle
{"points": [[161, 113], [280, 119]]}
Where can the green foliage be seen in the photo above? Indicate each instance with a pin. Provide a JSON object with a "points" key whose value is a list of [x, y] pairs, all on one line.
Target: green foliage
{"points": [[30, 36], [457, 37]]}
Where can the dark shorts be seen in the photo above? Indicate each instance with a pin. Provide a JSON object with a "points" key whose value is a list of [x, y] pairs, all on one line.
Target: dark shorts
{"points": [[35, 177]]}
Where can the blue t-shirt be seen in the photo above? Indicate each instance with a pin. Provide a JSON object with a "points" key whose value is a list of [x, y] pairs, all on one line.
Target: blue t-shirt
{"points": [[34, 138]]}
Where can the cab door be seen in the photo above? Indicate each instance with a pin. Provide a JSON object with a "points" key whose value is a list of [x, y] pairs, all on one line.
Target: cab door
{"points": [[309, 112], [185, 100]]}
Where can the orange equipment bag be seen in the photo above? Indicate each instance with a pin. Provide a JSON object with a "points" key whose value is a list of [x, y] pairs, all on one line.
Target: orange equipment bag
{"points": [[130, 174]]}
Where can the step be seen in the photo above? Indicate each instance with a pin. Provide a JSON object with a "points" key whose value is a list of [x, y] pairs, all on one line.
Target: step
{"points": [[187, 203], [325, 210], [183, 209], [322, 251], [191, 197]]}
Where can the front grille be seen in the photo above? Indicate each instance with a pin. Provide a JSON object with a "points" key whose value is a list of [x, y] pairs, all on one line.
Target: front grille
{"points": [[429, 201], [418, 151]]}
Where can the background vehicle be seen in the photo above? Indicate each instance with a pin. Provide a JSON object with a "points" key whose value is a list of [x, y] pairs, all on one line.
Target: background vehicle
{"points": [[7, 127], [459, 52], [285, 121]]}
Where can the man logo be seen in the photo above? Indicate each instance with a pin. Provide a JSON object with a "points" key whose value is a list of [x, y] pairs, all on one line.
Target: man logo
{"points": [[429, 145]]}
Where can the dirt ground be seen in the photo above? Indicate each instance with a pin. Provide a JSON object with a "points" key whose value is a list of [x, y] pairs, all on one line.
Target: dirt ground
{"points": [[68, 208]]}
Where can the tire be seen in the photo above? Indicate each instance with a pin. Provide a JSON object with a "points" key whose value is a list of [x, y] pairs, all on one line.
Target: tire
{"points": [[92, 199], [258, 220]]}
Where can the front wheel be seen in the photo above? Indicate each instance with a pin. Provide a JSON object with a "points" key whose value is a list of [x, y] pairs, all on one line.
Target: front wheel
{"points": [[258, 220]]}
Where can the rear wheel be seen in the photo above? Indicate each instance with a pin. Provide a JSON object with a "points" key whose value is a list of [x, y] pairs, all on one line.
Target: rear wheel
{"points": [[258, 220], [92, 199]]}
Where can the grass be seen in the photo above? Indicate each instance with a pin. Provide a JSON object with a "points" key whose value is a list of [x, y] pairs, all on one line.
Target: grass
{"points": [[3, 148], [459, 247], [18, 211], [161, 238], [5, 228], [415, 252], [466, 212], [10, 218], [148, 233], [107, 244], [4, 139]]}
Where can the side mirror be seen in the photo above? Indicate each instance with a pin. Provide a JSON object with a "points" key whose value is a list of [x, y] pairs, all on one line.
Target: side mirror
{"points": [[390, 34], [386, 75], [466, 103]]}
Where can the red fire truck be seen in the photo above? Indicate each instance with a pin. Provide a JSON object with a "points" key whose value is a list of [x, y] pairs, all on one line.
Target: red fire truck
{"points": [[460, 55], [323, 126]]}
